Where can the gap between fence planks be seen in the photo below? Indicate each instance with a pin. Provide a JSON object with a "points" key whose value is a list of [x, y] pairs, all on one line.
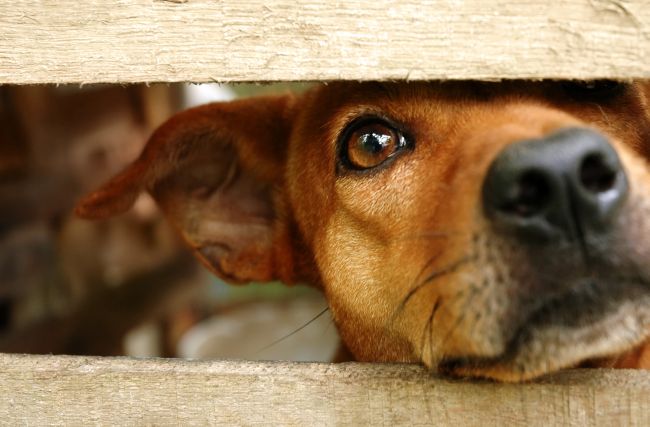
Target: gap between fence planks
{"points": [[97, 41], [67, 390]]}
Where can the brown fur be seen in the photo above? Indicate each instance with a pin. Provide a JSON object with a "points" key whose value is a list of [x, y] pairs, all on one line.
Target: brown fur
{"points": [[256, 189]]}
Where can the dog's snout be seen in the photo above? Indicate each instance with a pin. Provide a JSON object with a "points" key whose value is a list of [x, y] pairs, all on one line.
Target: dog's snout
{"points": [[560, 186]]}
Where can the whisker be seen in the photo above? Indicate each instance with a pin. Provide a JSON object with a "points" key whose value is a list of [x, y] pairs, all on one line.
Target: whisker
{"points": [[325, 310], [426, 235], [431, 333], [427, 281], [433, 234], [432, 277], [426, 266], [461, 318], [429, 325]]}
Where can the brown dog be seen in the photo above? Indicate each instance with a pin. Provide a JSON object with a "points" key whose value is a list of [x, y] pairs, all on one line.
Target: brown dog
{"points": [[484, 229]]}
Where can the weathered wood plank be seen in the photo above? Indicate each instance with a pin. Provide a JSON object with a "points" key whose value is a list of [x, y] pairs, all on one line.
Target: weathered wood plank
{"points": [[61, 390], [65, 41]]}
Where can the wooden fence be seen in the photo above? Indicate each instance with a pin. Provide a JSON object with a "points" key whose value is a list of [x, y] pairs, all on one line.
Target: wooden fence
{"points": [[46, 390], [92, 41], [257, 40]]}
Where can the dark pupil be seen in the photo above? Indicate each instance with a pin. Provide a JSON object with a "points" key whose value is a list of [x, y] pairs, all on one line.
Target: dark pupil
{"points": [[373, 142]]}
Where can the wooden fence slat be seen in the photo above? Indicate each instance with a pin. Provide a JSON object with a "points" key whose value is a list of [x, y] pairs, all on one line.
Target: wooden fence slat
{"points": [[66, 41], [65, 390]]}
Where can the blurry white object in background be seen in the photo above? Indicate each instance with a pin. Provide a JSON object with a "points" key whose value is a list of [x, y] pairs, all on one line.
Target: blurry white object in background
{"points": [[143, 341], [197, 94], [245, 331]]}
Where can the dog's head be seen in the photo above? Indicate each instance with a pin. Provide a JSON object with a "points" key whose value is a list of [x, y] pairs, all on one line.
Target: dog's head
{"points": [[488, 229]]}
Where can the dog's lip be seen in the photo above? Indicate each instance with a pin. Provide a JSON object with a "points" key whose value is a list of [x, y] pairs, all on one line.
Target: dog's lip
{"points": [[577, 326]]}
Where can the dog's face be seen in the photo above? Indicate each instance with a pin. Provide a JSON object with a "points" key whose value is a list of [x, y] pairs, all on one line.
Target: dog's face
{"points": [[485, 229]]}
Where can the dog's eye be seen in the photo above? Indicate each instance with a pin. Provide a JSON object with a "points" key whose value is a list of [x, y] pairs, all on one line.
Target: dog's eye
{"points": [[594, 90], [369, 144]]}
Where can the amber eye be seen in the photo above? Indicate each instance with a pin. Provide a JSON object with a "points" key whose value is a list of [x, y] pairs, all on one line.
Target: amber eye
{"points": [[370, 144]]}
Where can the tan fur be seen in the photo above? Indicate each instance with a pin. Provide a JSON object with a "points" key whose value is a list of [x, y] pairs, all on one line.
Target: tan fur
{"points": [[256, 189]]}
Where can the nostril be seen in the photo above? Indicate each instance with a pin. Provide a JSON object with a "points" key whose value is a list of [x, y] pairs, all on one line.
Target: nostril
{"points": [[596, 175], [530, 195]]}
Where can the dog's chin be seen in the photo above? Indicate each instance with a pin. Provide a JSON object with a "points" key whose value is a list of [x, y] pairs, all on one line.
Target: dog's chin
{"points": [[593, 320]]}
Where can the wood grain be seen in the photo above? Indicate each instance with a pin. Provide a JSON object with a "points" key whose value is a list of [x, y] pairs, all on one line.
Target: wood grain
{"points": [[64, 390], [96, 41]]}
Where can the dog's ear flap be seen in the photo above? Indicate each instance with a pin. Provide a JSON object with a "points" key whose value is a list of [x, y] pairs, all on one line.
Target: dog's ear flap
{"points": [[213, 170]]}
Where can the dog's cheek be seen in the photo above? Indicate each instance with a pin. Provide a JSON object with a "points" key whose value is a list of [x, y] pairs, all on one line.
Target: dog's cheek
{"points": [[362, 287], [373, 256]]}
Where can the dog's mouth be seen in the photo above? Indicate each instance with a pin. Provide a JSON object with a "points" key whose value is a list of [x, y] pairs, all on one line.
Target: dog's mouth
{"points": [[594, 319]]}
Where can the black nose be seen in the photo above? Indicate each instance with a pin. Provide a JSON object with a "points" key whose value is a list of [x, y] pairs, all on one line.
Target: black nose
{"points": [[561, 186]]}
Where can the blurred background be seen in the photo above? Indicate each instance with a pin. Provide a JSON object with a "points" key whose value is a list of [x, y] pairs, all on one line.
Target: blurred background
{"points": [[125, 286]]}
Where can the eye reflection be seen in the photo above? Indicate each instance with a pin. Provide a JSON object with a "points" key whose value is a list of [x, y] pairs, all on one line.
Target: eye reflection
{"points": [[374, 142], [370, 145]]}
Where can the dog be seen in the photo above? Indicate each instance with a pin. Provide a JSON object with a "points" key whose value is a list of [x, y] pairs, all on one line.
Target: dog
{"points": [[483, 229]]}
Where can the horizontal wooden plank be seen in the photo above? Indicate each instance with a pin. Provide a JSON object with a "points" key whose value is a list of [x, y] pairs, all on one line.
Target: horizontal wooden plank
{"points": [[66, 41], [63, 390]]}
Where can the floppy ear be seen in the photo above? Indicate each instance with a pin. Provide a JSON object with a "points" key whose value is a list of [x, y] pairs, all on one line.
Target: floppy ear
{"points": [[213, 171]]}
